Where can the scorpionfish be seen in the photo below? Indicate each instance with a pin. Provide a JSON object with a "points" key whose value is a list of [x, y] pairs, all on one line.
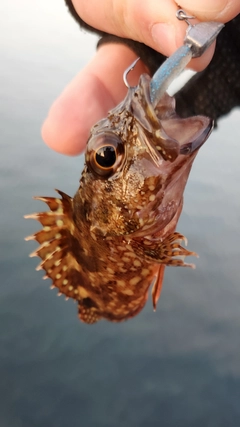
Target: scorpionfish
{"points": [[106, 246]]}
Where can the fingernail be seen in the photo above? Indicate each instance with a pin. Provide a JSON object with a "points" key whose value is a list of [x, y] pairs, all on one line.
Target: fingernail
{"points": [[163, 36]]}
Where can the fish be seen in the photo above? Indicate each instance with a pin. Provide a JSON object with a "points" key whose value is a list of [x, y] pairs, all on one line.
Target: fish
{"points": [[110, 243]]}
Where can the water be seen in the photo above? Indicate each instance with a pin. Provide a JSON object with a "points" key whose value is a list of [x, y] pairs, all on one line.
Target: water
{"points": [[179, 366]]}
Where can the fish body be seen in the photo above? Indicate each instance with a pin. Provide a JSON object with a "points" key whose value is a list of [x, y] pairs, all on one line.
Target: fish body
{"points": [[108, 244]]}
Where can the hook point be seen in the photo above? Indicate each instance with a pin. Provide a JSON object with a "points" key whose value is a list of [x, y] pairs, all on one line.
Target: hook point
{"points": [[125, 74]]}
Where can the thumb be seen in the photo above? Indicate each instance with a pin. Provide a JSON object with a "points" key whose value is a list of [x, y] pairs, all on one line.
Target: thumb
{"points": [[154, 23]]}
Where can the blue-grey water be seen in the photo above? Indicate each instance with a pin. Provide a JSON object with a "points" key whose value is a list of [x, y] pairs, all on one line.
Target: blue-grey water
{"points": [[177, 367]]}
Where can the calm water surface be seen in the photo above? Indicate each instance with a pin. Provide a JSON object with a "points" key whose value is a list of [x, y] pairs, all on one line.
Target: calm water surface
{"points": [[179, 366]]}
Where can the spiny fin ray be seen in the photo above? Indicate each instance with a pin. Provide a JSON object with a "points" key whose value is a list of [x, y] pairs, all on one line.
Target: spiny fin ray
{"points": [[55, 243]]}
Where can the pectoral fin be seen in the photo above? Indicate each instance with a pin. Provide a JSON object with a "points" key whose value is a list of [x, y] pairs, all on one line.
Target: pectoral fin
{"points": [[157, 287]]}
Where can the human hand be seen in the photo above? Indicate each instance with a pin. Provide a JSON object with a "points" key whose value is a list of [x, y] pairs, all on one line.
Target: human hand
{"points": [[99, 86]]}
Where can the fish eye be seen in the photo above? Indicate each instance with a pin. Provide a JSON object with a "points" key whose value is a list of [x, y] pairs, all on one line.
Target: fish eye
{"points": [[106, 156], [105, 153]]}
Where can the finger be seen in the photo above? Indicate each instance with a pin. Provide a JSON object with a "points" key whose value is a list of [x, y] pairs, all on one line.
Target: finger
{"points": [[151, 22], [216, 10], [88, 98]]}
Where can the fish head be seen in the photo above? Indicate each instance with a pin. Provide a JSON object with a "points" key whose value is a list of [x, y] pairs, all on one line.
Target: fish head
{"points": [[137, 164]]}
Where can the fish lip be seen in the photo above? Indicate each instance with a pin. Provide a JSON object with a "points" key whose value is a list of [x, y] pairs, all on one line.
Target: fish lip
{"points": [[184, 148], [195, 144]]}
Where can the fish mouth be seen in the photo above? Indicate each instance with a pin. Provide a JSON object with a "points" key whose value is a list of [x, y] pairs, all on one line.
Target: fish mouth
{"points": [[179, 136], [188, 137], [198, 139]]}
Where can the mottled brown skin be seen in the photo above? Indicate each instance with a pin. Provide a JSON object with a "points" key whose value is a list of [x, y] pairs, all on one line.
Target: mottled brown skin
{"points": [[107, 245]]}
